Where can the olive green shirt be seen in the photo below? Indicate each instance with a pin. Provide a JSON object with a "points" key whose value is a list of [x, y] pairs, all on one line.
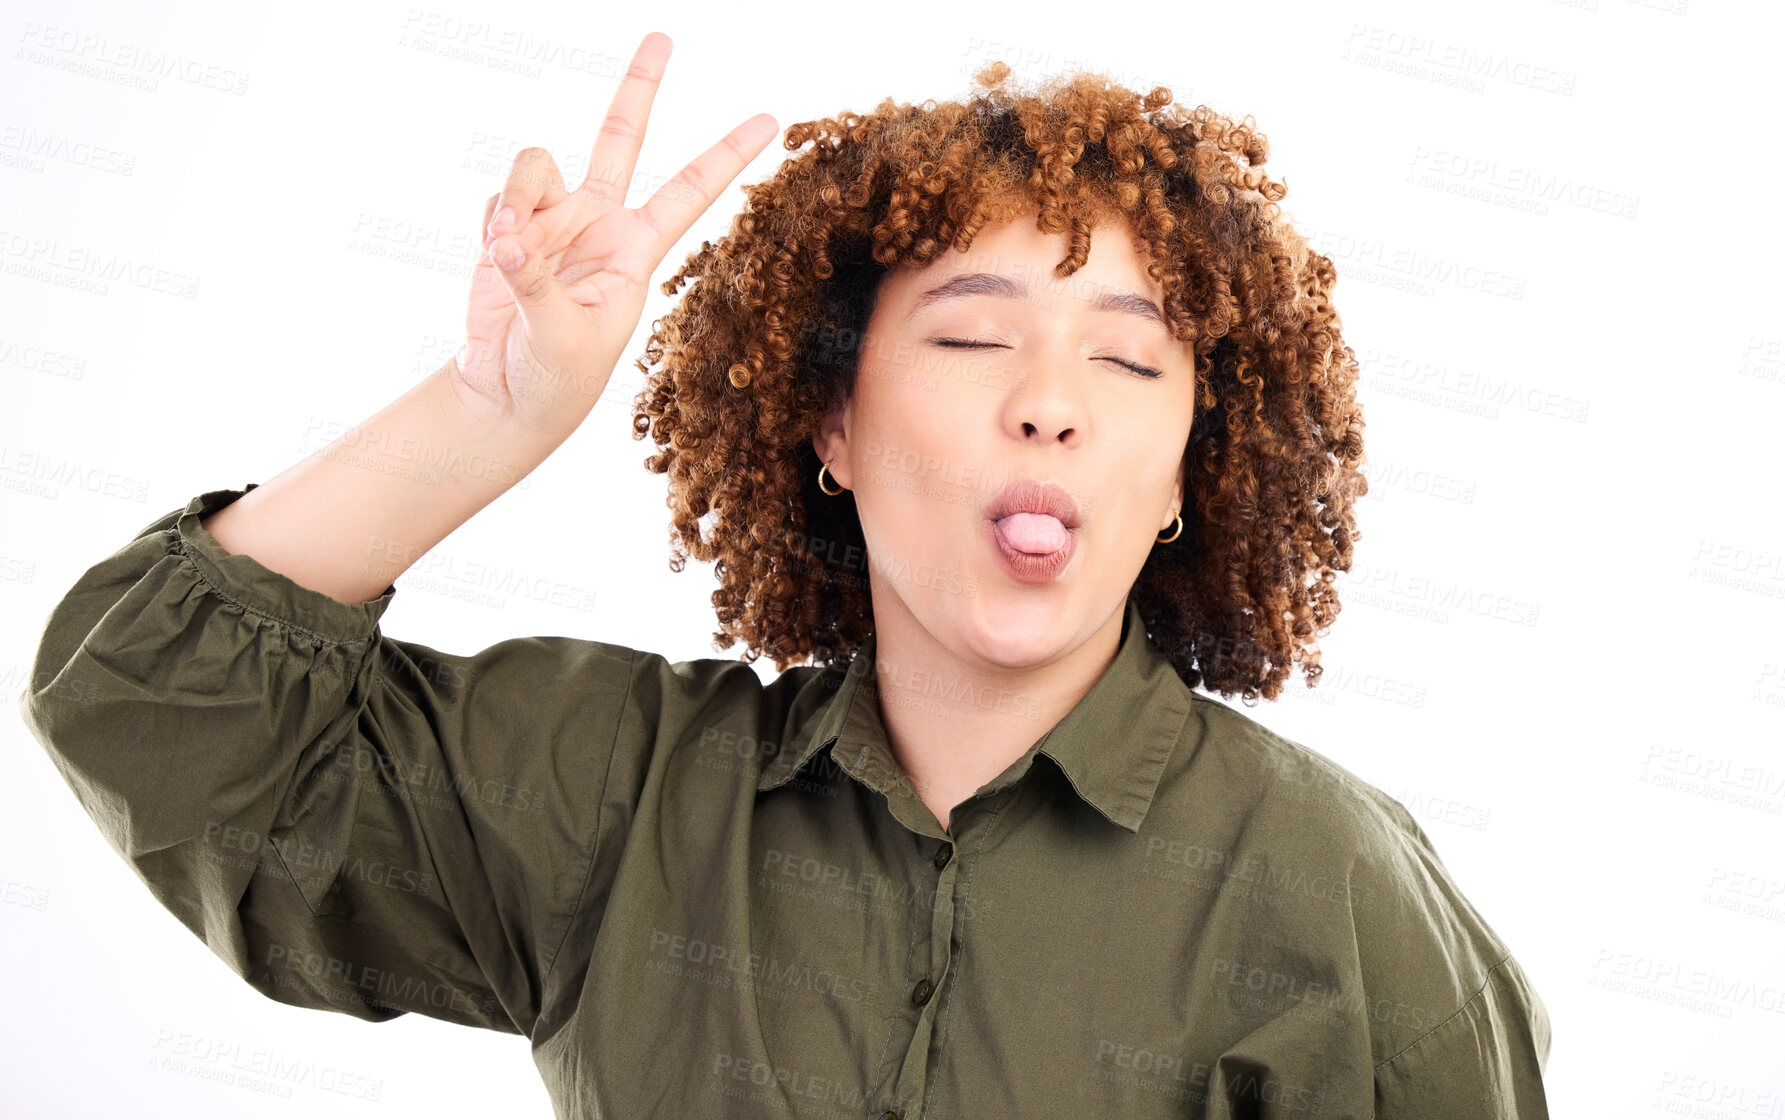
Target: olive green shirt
{"points": [[699, 894]]}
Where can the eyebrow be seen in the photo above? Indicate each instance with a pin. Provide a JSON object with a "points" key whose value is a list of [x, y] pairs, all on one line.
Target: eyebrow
{"points": [[1005, 287]]}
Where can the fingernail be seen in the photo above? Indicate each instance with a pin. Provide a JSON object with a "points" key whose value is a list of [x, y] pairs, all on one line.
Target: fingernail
{"points": [[508, 256], [501, 216]]}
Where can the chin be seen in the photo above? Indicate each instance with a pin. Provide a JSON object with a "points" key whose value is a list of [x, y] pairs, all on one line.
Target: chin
{"points": [[1011, 630]]}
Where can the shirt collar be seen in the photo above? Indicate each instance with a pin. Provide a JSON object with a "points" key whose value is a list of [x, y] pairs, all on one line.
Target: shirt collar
{"points": [[1112, 746]]}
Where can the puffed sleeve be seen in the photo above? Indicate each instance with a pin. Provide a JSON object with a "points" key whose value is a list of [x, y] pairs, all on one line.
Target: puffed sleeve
{"points": [[350, 822]]}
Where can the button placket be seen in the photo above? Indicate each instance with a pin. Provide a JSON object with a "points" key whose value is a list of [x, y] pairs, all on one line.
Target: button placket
{"points": [[942, 926], [913, 1077]]}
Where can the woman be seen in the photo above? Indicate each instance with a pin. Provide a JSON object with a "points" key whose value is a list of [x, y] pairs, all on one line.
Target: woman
{"points": [[1008, 423]]}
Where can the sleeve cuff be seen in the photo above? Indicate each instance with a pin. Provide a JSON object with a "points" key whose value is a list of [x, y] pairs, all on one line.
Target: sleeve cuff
{"points": [[256, 588]]}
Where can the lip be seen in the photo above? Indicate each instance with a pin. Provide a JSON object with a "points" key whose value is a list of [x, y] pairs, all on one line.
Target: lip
{"points": [[1026, 495], [1029, 496]]}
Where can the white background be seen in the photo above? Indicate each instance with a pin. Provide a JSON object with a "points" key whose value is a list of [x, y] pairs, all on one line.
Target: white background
{"points": [[1558, 269]]}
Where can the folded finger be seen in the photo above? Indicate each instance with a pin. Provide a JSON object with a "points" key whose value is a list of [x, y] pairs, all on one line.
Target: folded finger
{"points": [[533, 182]]}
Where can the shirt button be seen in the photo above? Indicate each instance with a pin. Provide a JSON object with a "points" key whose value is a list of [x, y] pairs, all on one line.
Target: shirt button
{"points": [[920, 995], [942, 855]]}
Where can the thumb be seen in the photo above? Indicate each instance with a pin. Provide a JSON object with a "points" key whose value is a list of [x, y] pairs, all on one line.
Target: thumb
{"points": [[535, 292]]}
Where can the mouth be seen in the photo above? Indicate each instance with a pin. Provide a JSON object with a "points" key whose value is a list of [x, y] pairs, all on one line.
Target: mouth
{"points": [[1025, 496], [1033, 526]]}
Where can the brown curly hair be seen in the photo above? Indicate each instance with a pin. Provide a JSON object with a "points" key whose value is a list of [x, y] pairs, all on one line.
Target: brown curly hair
{"points": [[753, 357]]}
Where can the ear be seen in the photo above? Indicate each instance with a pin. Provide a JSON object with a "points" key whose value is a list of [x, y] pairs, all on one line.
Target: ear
{"points": [[831, 441], [1177, 500]]}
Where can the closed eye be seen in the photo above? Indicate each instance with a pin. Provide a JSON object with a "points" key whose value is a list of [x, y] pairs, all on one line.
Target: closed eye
{"points": [[970, 344]]}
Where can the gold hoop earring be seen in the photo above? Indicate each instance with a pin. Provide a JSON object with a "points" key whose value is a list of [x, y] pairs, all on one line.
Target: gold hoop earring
{"points": [[833, 493], [1174, 532]]}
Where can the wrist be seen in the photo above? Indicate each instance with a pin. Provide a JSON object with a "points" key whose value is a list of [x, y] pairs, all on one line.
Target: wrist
{"points": [[501, 430]]}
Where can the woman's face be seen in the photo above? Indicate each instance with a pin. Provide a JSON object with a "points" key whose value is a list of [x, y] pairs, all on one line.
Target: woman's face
{"points": [[981, 370]]}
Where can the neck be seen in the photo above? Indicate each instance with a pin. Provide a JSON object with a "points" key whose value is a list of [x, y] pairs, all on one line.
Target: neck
{"points": [[954, 724]]}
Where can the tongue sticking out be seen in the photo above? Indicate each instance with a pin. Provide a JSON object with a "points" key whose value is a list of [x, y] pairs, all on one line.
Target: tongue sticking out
{"points": [[1034, 533]]}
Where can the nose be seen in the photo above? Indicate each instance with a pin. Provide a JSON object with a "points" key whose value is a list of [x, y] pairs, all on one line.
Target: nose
{"points": [[1046, 402]]}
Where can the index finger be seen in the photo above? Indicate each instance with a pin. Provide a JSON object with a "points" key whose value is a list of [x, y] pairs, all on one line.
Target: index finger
{"points": [[672, 210], [623, 129]]}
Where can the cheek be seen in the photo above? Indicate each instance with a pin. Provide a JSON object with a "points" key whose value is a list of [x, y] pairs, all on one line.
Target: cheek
{"points": [[1138, 492], [921, 483], [1167, 441], [908, 436]]}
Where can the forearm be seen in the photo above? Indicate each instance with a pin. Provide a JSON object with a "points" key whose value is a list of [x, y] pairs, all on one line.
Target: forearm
{"points": [[352, 517]]}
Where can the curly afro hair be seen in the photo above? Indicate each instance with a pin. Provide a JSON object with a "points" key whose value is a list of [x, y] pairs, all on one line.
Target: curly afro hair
{"points": [[744, 367]]}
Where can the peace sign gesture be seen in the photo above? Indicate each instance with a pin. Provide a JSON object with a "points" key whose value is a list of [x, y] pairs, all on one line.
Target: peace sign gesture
{"points": [[564, 274]]}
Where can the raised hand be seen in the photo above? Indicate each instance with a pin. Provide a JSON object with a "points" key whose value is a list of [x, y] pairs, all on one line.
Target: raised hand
{"points": [[564, 275]]}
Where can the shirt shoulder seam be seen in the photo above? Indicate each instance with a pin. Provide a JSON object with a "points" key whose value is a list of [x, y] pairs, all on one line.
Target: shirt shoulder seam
{"points": [[1486, 980]]}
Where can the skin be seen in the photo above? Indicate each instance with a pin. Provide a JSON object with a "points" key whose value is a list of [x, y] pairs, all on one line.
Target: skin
{"points": [[974, 665]]}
